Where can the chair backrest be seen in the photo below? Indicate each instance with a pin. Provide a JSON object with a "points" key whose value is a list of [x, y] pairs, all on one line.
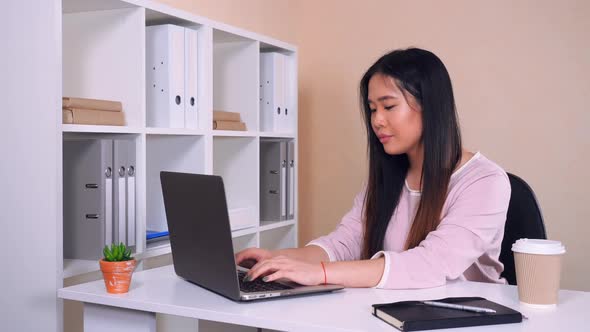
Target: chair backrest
{"points": [[523, 220]]}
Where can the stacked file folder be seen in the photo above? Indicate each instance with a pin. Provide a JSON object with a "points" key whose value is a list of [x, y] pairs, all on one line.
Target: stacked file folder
{"points": [[228, 121], [99, 195], [92, 111], [172, 61], [277, 179], [277, 111]]}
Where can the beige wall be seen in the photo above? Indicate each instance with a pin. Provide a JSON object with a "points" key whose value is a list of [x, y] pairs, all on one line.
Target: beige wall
{"points": [[272, 18], [520, 70]]}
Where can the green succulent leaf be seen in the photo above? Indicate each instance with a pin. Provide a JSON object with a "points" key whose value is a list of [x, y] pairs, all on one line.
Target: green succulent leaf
{"points": [[116, 253], [105, 253]]}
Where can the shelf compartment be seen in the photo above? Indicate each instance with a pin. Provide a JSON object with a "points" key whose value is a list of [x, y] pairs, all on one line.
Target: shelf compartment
{"points": [[92, 186], [279, 238], [235, 76], [235, 159], [277, 179], [169, 153], [103, 58], [245, 241]]}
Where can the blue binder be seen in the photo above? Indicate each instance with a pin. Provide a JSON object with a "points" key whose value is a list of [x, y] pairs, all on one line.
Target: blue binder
{"points": [[150, 235]]}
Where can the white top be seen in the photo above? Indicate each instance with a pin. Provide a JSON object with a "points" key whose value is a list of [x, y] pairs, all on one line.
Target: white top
{"points": [[160, 290], [465, 245], [538, 247]]}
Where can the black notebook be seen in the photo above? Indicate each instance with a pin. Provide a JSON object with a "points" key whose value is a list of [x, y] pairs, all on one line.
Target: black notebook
{"points": [[416, 316]]}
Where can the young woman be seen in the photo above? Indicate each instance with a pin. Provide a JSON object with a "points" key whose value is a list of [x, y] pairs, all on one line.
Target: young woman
{"points": [[430, 211]]}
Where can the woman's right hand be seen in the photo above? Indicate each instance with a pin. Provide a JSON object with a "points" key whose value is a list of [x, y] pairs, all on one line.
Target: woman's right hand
{"points": [[249, 257]]}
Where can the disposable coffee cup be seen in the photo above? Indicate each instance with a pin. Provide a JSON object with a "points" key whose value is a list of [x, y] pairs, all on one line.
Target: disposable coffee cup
{"points": [[538, 271]]}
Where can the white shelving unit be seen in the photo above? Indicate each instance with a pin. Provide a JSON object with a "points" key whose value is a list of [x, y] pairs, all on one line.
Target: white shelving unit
{"points": [[97, 49], [104, 57]]}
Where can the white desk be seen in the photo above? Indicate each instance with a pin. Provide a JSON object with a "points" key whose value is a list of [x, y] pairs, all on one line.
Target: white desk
{"points": [[161, 291]]}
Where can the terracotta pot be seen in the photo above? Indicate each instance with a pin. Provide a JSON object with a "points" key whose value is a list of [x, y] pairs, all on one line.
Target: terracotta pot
{"points": [[117, 275]]}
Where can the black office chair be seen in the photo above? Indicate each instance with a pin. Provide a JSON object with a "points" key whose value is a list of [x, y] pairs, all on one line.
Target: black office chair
{"points": [[523, 220]]}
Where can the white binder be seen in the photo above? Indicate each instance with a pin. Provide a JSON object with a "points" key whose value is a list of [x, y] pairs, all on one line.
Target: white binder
{"points": [[120, 191], [124, 191], [87, 205], [165, 76], [273, 180], [130, 193], [290, 94], [191, 117], [272, 92]]}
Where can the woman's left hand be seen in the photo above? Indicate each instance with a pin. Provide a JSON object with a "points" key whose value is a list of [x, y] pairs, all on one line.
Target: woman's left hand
{"points": [[284, 267]]}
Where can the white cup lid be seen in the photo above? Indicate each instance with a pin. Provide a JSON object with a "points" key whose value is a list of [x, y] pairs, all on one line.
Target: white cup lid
{"points": [[538, 247]]}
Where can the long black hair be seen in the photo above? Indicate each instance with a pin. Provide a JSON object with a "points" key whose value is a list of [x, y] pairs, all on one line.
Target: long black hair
{"points": [[421, 74]]}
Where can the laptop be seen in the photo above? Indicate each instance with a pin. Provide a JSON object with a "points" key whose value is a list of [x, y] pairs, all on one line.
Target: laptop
{"points": [[201, 241]]}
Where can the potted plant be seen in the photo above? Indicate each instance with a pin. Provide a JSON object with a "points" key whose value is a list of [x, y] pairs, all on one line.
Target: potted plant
{"points": [[117, 267]]}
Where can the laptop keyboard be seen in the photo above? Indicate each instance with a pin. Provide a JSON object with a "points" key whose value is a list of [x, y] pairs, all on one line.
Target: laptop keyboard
{"points": [[258, 285]]}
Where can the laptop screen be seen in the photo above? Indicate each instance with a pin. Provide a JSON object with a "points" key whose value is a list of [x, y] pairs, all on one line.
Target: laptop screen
{"points": [[200, 234]]}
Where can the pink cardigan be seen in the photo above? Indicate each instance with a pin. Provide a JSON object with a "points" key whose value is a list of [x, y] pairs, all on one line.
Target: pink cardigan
{"points": [[465, 245]]}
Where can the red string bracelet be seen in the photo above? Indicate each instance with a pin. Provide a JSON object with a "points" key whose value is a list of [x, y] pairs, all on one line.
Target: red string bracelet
{"points": [[325, 278]]}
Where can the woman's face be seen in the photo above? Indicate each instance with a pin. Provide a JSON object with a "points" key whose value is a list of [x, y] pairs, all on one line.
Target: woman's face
{"points": [[396, 121]]}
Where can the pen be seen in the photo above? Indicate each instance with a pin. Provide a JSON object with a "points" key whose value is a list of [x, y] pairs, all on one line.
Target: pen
{"points": [[459, 307]]}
